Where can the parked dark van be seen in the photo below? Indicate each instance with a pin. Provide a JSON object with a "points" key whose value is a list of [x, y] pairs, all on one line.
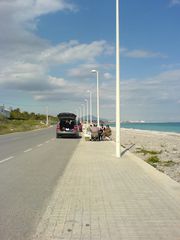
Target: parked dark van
{"points": [[67, 125]]}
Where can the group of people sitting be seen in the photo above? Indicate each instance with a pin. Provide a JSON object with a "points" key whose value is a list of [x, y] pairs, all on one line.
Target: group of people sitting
{"points": [[100, 133]]}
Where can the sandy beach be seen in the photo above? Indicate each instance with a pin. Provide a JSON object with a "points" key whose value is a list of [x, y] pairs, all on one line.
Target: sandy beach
{"points": [[160, 149]]}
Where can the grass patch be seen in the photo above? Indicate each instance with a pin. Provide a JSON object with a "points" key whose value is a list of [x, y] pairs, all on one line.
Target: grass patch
{"points": [[168, 163], [145, 152], [9, 126], [153, 160]]}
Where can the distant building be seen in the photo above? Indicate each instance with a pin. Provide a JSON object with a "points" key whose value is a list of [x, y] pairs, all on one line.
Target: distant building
{"points": [[4, 112]]}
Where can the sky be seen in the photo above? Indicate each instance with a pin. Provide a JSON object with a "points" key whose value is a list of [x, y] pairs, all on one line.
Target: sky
{"points": [[49, 47]]}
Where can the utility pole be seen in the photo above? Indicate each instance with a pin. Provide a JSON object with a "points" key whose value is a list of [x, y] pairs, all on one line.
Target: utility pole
{"points": [[47, 119]]}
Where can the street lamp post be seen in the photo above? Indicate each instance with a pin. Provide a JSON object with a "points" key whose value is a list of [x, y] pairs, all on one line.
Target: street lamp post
{"points": [[83, 112], [90, 105], [47, 118], [87, 111], [118, 142], [77, 114], [80, 115], [97, 76]]}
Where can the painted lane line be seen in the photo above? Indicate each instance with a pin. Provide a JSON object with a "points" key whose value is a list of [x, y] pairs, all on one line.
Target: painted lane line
{"points": [[47, 141], [7, 159], [28, 150], [39, 145]]}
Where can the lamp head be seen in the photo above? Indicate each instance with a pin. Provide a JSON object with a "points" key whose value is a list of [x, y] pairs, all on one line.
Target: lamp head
{"points": [[93, 71]]}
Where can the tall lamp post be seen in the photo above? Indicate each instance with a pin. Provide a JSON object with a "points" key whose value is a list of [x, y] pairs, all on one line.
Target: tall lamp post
{"points": [[80, 115], [90, 105], [83, 112], [47, 118], [77, 114], [87, 110], [97, 76], [118, 142]]}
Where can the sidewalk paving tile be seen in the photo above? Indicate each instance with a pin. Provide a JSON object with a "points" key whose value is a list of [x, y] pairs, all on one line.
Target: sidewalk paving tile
{"points": [[100, 197]]}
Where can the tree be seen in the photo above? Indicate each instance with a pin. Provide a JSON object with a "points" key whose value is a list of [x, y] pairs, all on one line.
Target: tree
{"points": [[16, 114]]}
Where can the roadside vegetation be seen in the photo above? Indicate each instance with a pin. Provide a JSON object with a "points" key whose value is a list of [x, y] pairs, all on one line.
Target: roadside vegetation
{"points": [[145, 152], [153, 159], [23, 121]]}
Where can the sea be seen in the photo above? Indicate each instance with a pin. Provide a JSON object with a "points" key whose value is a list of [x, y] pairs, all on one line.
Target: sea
{"points": [[161, 127]]}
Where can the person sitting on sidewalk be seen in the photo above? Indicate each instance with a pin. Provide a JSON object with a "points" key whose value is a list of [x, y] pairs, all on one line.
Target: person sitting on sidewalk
{"points": [[101, 132], [107, 133], [94, 133]]}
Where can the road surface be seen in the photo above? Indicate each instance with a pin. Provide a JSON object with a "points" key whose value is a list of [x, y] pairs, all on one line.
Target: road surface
{"points": [[31, 164]]}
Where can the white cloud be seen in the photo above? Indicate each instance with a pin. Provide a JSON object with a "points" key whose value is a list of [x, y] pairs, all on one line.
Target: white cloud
{"points": [[26, 59], [73, 51], [44, 7], [84, 70], [29, 76], [151, 99], [18, 20], [170, 66], [29, 10], [21, 15], [174, 2], [24, 76], [162, 88], [108, 76], [123, 49], [63, 91], [57, 82], [138, 53]]}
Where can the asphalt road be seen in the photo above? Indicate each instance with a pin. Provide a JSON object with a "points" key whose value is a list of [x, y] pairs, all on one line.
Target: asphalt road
{"points": [[31, 164]]}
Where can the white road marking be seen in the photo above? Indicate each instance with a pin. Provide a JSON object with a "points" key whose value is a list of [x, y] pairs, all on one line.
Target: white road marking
{"points": [[6, 159], [39, 145], [16, 138], [28, 150], [47, 141]]}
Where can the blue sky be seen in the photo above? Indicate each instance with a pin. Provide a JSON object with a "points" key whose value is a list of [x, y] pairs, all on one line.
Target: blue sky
{"points": [[48, 48]]}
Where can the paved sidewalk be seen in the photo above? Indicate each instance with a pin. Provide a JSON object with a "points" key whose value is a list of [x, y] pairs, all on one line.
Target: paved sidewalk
{"points": [[100, 197]]}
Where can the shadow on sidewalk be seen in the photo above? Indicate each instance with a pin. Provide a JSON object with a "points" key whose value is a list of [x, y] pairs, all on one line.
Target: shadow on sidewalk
{"points": [[126, 149]]}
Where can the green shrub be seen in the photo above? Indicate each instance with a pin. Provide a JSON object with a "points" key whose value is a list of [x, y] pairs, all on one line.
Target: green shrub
{"points": [[145, 152], [153, 160], [19, 126], [168, 163]]}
